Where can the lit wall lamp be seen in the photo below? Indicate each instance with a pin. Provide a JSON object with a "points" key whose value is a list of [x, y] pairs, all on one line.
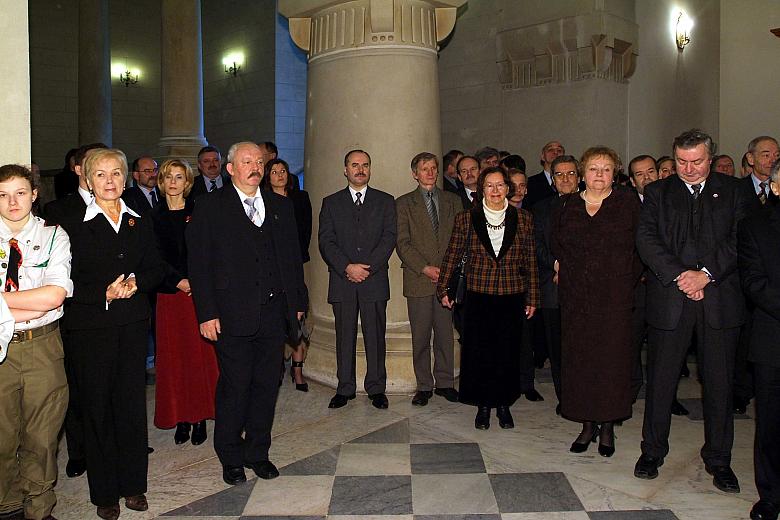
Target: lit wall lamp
{"points": [[683, 28], [126, 75], [233, 62]]}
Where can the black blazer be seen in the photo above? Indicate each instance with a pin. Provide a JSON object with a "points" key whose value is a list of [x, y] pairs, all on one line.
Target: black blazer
{"points": [[538, 189], [169, 228], [99, 256], [448, 185], [137, 201], [771, 199], [67, 212], [464, 198], [223, 267], [545, 260], [348, 236], [758, 247], [199, 185], [663, 232], [302, 209]]}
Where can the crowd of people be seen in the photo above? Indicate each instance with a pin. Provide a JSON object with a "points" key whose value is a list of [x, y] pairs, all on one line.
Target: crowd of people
{"points": [[585, 263]]}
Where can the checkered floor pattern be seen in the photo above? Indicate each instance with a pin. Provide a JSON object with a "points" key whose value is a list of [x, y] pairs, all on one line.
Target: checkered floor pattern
{"points": [[383, 474]]}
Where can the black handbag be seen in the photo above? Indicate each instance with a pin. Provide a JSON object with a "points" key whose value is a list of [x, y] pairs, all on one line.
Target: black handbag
{"points": [[456, 288]]}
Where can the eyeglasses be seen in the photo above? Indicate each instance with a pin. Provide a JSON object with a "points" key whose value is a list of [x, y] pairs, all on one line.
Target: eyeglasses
{"points": [[571, 173], [149, 171], [498, 186]]}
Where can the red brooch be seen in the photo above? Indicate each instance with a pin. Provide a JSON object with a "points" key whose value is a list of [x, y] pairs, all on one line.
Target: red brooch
{"points": [[131, 222]]}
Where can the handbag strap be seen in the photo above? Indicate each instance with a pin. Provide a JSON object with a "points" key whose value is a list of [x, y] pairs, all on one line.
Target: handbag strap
{"points": [[465, 258]]}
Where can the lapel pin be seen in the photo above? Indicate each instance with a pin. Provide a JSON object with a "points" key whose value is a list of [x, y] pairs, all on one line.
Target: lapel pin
{"points": [[35, 248], [4, 265], [714, 195], [2, 254], [131, 222]]}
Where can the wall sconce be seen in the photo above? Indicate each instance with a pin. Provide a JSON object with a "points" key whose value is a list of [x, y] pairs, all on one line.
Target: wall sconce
{"points": [[125, 75], [683, 28], [233, 62]]}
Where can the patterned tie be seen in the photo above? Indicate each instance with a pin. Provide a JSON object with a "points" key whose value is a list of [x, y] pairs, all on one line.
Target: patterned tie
{"points": [[14, 262], [696, 190], [213, 185], [250, 208], [430, 205], [153, 195], [762, 196], [358, 202]]}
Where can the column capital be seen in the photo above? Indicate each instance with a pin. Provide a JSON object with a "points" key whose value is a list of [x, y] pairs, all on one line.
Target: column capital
{"points": [[323, 27]]}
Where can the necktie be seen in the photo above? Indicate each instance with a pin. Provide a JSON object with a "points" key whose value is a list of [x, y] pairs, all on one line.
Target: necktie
{"points": [[153, 195], [14, 262], [250, 208], [358, 202], [430, 205], [762, 195], [696, 190], [213, 185]]}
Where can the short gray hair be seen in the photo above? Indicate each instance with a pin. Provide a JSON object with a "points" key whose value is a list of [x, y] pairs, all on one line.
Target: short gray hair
{"points": [[754, 143], [693, 138], [234, 148]]}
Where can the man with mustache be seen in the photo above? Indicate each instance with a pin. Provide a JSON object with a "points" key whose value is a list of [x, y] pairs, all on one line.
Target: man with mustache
{"points": [[357, 236]]}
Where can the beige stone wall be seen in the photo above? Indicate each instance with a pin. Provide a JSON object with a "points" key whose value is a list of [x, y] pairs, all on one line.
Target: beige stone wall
{"points": [[672, 91], [14, 84], [750, 68]]}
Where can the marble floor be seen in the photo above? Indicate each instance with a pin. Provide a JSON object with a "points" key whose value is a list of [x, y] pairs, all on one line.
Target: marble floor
{"points": [[430, 463]]}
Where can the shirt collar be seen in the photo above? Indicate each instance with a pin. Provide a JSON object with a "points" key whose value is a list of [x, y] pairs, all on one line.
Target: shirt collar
{"points": [[757, 182], [243, 196], [6, 234], [702, 183], [93, 210], [362, 192], [86, 196], [548, 176]]}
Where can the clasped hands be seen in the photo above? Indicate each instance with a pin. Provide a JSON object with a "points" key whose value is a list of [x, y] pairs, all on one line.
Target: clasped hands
{"points": [[357, 273], [692, 283], [121, 288]]}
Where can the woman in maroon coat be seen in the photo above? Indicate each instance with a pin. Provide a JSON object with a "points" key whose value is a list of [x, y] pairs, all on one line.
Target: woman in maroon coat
{"points": [[593, 235]]}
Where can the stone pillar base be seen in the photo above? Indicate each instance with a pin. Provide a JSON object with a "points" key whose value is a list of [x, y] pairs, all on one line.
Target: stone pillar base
{"points": [[182, 147]]}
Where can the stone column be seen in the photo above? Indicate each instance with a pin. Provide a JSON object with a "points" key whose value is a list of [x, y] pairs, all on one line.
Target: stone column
{"points": [[372, 84], [94, 73], [15, 84], [182, 81]]}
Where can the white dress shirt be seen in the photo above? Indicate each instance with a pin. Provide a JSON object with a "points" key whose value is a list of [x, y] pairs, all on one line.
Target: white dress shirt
{"points": [[362, 192], [93, 210], [6, 328], [259, 205]]}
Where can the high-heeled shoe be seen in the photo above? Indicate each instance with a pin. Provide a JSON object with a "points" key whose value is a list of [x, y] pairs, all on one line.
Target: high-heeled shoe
{"points": [[182, 434], [504, 417], [604, 449], [199, 434], [302, 387], [581, 447], [482, 420]]}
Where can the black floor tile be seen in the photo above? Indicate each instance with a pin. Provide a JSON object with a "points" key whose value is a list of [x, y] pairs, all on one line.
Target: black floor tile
{"points": [[451, 458], [534, 492], [660, 514], [323, 463], [374, 495], [397, 433], [229, 502]]}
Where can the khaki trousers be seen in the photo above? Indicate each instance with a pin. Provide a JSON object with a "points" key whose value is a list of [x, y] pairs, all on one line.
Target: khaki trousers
{"points": [[33, 400], [427, 315]]}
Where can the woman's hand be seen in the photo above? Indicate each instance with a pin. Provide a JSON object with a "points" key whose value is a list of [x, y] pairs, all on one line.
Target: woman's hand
{"points": [[529, 312], [556, 267], [121, 288], [184, 286], [445, 301]]}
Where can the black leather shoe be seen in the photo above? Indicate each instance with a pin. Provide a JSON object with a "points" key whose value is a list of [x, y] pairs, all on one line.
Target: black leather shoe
{"points": [[450, 394], [582, 447], [740, 405], [108, 513], [182, 434], [482, 420], [723, 478], [137, 503], [199, 434], [764, 510], [75, 467], [678, 408], [264, 469], [421, 397], [533, 395], [339, 400], [505, 420], [233, 475], [379, 401], [647, 467], [558, 409]]}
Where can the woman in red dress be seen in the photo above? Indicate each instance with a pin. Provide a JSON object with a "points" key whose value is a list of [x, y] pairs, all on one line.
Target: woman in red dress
{"points": [[187, 369]]}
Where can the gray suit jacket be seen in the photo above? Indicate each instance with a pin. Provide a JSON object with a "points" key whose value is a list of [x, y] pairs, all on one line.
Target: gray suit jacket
{"points": [[349, 235], [417, 244]]}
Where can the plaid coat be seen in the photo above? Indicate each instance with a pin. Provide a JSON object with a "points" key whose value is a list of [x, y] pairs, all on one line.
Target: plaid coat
{"points": [[512, 271]]}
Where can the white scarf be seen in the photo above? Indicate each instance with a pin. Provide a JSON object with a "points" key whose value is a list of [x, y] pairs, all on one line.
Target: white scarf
{"points": [[495, 218]]}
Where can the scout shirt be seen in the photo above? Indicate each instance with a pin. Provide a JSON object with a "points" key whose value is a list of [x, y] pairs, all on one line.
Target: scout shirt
{"points": [[6, 328]]}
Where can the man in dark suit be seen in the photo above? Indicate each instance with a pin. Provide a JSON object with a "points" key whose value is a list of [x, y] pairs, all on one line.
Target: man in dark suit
{"points": [[68, 212], [248, 291], [541, 186], [687, 238], [144, 195], [759, 242], [468, 173], [426, 216], [211, 177], [357, 236], [450, 166], [762, 152]]}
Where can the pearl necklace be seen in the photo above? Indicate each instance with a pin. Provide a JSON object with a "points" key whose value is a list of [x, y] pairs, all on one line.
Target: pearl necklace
{"points": [[496, 228], [584, 193]]}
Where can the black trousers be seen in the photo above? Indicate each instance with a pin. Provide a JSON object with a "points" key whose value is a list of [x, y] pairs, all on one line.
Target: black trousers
{"points": [[110, 372], [373, 320], [527, 363], [552, 329], [767, 444], [638, 333], [74, 430], [666, 354], [743, 369], [247, 388]]}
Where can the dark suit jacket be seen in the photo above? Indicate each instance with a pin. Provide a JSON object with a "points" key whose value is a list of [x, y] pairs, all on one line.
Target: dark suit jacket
{"points": [[663, 232], [542, 213], [351, 236], [223, 267], [137, 201], [169, 228], [464, 198], [302, 209], [512, 271], [450, 186], [759, 269], [67, 212], [100, 255], [771, 199], [538, 189], [199, 185]]}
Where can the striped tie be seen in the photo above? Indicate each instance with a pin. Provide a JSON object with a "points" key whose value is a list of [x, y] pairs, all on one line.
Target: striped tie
{"points": [[762, 196], [430, 205]]}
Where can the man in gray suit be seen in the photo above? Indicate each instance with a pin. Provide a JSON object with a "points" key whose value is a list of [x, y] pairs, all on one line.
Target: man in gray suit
{"points": [[426, 216], [357, 236]]}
